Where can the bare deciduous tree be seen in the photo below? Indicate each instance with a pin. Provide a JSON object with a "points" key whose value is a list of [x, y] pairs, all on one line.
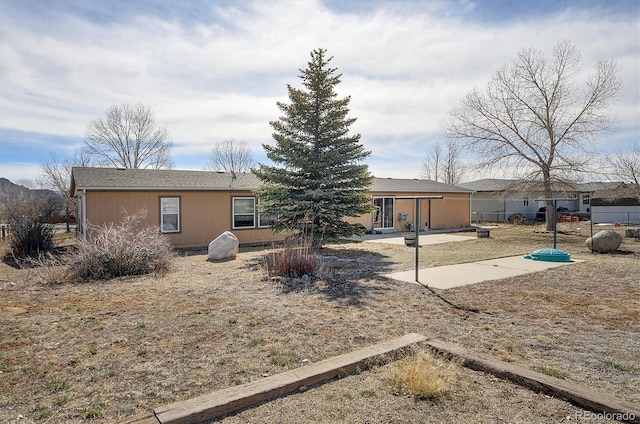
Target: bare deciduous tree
{"points": [[230, 156], [625, 165], [534, 116], [443, 166], [56, 175], [129, 137]]}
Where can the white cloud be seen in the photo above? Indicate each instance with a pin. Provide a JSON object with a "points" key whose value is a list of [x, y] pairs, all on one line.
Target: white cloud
{"points": [[20, 171], [405, 65]]}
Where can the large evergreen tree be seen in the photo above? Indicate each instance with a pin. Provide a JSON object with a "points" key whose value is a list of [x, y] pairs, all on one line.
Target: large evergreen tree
{"points": [[317, 178]]}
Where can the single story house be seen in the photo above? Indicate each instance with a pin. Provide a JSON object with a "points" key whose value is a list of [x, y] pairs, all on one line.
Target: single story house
{"points": [[194, 207], [620, 204], [498, 199]]}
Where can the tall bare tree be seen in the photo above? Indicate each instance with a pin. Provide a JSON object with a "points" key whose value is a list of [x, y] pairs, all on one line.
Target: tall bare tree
{"points": [[129, 137], [534, 116], [443, 166], [56, 175], [230, 156], [625, 165]]}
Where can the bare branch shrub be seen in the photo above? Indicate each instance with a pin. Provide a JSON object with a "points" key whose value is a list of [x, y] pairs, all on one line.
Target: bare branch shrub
{"points": [[28, 218], [47, 268], [294, 260], [115, 250]]}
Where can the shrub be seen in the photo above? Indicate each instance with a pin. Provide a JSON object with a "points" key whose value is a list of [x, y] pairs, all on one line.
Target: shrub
{"points": [[28, 217], [123, 249], [422, 376], [293, 261]]}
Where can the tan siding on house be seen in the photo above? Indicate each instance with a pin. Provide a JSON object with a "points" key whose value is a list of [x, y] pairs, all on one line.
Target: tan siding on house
{"points": [[451, 212], [204, 215]]}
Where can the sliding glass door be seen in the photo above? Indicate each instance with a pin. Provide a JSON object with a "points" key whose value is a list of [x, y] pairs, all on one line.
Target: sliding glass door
{"points": [[383, 215]]}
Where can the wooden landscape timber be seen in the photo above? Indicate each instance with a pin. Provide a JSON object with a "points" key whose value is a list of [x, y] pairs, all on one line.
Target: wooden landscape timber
{"points": [[580, 396], [229, 400]]}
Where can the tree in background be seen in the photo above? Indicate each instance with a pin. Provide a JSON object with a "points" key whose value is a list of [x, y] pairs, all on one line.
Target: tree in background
{"points": [[230, 156], [535, 118], [317, 178], [128, 137], [443, 166], [56, 175], [625, 165]]}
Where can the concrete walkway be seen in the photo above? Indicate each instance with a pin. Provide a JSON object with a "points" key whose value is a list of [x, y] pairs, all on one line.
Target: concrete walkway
{"points": [[446, 277]]}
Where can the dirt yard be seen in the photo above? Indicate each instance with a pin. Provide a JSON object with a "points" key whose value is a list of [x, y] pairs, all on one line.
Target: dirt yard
{"points": [[106, 350]]}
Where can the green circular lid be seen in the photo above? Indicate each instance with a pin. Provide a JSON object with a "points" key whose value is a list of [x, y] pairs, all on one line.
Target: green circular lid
{"points": [[549, 255]]}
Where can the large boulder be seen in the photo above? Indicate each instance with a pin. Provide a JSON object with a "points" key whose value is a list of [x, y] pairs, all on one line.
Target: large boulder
{"points": [[605, 241], [225, 246]]}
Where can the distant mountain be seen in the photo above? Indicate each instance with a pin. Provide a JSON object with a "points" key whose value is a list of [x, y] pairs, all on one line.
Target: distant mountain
{"points": [[9, 190]]}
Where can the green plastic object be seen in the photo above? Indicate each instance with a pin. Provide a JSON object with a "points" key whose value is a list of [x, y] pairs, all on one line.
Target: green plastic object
{"points": [[549, 255]]}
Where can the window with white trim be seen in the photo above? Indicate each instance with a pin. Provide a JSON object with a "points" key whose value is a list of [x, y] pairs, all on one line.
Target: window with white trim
{"points": [[264, 219], [526, 201], [170, 214], [244, 212], [586, 199]]}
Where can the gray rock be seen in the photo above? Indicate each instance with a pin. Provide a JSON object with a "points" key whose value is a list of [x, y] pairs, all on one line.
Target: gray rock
{"points": [[632, 233], [605, 241], [225, 246]]}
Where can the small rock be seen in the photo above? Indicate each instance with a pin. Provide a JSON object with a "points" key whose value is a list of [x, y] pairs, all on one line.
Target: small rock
{"points": [[303, 389]]}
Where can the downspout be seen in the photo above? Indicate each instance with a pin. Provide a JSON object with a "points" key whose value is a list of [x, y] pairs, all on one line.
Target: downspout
{"points": [[471, 207], [83, 211]]}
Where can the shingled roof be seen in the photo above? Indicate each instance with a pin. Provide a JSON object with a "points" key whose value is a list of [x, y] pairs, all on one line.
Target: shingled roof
{"points": [[159, 179], [497, 184], [414, 185], [88, 178]]}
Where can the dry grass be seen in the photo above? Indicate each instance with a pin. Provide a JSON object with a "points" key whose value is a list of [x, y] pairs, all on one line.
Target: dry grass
{"points": [[106, 350], [422, 376]]}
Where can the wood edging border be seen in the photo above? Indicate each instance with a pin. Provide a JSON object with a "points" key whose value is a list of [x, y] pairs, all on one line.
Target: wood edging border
{"points": [[225, 401], [231, 399], [591, 400]]}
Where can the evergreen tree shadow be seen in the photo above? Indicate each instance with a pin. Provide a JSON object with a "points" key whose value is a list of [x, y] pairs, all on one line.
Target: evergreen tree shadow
{"points": [[347, 276]]}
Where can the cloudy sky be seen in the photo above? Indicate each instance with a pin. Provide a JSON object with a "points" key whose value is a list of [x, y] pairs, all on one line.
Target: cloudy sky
{"points": [[214, 70]]}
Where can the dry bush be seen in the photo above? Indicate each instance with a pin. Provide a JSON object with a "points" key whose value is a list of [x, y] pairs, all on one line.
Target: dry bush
{"points": [[422, 376], [28, 218], [47, 268], [123, 249], [293, 261]]}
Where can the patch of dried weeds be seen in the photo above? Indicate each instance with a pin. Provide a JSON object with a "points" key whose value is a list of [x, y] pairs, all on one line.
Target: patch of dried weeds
{"points": [[116, 348]]}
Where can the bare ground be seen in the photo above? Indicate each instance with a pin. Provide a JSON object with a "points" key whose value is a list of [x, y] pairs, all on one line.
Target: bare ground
{"points": [[107, 350]]}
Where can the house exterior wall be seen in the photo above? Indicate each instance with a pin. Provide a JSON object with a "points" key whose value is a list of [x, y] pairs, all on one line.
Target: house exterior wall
{"points": [[526, 206], [451, 212], [611, 214], [204, 215]]}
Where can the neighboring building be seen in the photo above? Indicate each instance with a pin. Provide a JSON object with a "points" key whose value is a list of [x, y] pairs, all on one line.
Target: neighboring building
{"points": [[498, 199], [620, 205], [194, 207]]}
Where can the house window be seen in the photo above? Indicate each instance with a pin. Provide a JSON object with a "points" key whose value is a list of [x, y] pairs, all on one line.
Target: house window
{"points": [[244, 212], [170, 214], [265, 220], [526, 201], [586, 199]]}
